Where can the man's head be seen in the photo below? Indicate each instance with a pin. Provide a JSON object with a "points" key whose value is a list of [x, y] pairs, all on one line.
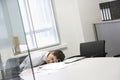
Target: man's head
{"points": [[55, 56]]}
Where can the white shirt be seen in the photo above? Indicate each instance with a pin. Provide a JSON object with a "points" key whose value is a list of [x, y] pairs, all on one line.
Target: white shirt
{"points": [[37, 59]]}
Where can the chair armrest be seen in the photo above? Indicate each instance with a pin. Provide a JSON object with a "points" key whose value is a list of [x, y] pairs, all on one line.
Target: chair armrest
{"points": [[118, 55]]}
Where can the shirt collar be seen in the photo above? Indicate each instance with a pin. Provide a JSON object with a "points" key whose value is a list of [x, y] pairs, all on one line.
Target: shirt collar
{"points": [[45, 56]]}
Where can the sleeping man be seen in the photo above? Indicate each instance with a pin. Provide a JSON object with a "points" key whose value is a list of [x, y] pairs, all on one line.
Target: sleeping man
{"points": [[41, 58]]}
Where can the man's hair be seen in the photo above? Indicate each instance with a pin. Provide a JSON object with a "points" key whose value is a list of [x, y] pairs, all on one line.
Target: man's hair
{"points": [[59, 54]]}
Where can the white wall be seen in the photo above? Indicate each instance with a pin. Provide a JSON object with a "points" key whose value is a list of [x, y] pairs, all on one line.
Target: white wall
{"points": [[5, 27], [74, 20], [89, 13], [15, 19], [14, 26], [69, 25]]}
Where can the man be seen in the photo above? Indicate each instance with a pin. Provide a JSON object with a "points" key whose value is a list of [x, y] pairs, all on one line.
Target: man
{"points": [[42, 58]]}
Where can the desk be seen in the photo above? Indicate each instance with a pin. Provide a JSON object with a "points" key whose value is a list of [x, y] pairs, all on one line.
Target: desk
{"points": [[86, 69]]}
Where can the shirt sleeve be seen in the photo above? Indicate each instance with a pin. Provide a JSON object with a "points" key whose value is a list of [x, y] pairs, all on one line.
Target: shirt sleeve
{"points": [[25, 64], [37, 59]]}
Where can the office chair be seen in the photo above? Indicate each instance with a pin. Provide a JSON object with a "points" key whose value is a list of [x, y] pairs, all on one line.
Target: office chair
{"points": [[2, 69], [12, 68], [92, 49], [118, 55]]}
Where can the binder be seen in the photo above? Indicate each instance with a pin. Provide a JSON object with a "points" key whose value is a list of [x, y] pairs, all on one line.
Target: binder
{"points": [[115, 9], [106, 12], [102, 12], [110, 10]]}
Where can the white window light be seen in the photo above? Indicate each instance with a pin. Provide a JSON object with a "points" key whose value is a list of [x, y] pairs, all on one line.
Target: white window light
{"points": [[39, 23]]}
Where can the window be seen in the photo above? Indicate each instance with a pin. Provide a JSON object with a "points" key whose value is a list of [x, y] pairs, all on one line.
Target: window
{"points": [[5, 38], [39, 23]]}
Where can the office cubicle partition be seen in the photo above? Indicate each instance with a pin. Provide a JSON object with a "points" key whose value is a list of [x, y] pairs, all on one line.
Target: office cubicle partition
{"points": [[110, 32]]}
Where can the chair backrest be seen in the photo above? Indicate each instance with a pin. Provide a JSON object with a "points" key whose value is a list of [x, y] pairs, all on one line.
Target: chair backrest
{"points": [[12, 68], [2, 68], [93, 49]]}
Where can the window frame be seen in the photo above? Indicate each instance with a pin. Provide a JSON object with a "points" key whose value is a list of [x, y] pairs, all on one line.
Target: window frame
{"points": [[45, 29]]}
